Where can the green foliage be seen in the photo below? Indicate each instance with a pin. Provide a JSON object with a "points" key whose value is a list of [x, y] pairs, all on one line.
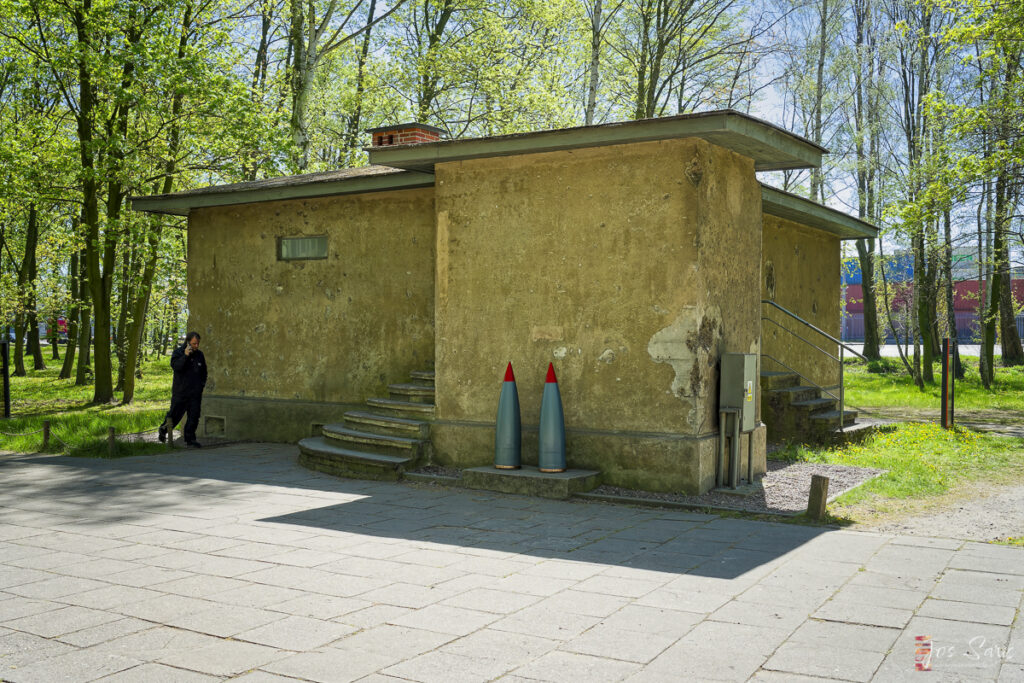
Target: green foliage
{"points": [[883, 366]]}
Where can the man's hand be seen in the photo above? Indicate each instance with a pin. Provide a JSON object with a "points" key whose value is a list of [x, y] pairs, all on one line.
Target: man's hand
{"points": [[188, 350]]}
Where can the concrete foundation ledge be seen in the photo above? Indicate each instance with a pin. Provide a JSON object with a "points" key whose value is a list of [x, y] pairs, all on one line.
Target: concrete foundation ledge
{"points": [[529, 481], [268, 419]]}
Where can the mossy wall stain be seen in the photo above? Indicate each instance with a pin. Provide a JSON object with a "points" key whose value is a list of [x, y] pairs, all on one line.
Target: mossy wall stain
{"points": [[333, 330]]}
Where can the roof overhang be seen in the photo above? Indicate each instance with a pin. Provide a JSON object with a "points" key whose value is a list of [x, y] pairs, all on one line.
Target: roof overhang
{"points": [[291, 187], [772, 148], [800, 210]]}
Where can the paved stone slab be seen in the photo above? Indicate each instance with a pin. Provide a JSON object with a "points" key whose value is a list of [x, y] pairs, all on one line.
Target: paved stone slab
{"points": [[826, 634], [965, 611], [296, 633], [236, 562], [569, 666], [61, 621], [73, 666], [833, 661], [860, 613], [157, 673]]}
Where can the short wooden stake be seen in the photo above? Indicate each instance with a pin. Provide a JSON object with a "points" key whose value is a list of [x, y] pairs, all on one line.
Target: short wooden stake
{"points": [[819, 496], [111, 442], [46, 434], [170, 439]]}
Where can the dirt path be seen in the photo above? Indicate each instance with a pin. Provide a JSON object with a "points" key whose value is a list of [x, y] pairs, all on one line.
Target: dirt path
{"points": [[1005, 422], [978, 514]]}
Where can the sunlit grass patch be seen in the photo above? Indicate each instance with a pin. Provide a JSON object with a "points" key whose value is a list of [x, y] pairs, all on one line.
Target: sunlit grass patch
{"points": [[76, 426], [897, 389], [921, 461]]}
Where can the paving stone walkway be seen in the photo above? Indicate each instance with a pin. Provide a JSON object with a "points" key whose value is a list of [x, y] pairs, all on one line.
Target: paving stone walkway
{"points": [[235, 563]]}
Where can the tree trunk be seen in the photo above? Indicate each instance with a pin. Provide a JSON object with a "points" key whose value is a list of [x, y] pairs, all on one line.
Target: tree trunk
{"points": [[595, 63], [991, 317], [83, 370], [54, 337], [1008, 337], [19, 345], [138, 313], [127, 284], [301, 84], [947, 272], [866, 258], [73, 290], [819, 97]]}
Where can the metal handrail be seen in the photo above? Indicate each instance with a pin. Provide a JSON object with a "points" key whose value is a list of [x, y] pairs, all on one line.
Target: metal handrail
{"points": [[806, 341], [820, 331], [842, 347]]}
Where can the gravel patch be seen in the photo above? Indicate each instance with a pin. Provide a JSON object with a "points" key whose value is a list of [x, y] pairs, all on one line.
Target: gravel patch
{"points": [[439, 471], [783, 490]]}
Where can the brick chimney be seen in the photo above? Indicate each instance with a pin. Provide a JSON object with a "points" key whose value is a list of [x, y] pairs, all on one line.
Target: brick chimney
{"points": [[403, 134]]}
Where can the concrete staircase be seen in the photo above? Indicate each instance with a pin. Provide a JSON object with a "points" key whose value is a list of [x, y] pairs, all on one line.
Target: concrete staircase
{"points": [[800, 414], [380, 443]]}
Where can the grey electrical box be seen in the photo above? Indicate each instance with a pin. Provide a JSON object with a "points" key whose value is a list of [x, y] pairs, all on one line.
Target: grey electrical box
{"points": [[739, 379]]}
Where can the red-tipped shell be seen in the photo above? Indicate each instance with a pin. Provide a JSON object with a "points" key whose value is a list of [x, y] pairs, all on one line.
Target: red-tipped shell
{"points": [[551, 375], [509, 377]]}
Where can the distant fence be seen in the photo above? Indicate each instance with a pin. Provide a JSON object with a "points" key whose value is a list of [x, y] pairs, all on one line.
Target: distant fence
{"points": [[966, 328]]}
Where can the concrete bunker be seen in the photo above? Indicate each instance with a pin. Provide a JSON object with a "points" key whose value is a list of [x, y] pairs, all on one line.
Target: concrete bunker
{"points": [[630, 255]]}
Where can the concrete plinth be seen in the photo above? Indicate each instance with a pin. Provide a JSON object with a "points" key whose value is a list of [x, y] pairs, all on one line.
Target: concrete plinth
{"points": [[529, 481]]}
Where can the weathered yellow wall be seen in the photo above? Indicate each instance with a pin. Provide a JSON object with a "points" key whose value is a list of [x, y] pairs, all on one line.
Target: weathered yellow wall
{"points": [[630, 267], [336, 330], [801, 273]]}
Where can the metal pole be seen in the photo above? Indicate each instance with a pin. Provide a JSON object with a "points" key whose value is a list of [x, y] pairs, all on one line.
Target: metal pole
{"points": [[842, 391], [7, 376], [945, 384], [952, 383]]}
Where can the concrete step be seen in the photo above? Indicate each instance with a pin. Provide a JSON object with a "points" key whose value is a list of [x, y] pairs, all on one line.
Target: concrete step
{"points": [[831, 417], [388, 424], [797, 394], [424, 377], [779, 380], [318, 453], [815, 406], [413, 393], [402, 408], [384, 444], [857, 432]]}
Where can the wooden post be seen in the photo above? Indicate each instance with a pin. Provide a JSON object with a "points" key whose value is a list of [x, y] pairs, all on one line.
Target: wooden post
{"points": [[170, 438], [46, 434], [818, 498], [111, 443]]}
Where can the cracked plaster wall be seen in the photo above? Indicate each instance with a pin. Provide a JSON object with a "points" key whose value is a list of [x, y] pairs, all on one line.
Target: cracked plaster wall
{"points": [[630, 267]]}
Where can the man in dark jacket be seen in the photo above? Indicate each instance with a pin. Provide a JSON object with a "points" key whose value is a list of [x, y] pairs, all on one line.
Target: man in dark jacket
{"points": [[189, 366]]}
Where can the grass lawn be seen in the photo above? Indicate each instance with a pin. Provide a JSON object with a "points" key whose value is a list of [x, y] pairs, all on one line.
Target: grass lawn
{"points": [[83, 427], [897, 390]]}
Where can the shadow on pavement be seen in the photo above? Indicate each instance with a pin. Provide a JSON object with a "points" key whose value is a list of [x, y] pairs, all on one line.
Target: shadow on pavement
{"points": [[263, 484]]}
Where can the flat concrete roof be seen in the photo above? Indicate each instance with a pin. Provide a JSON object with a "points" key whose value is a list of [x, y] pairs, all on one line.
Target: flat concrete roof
{"points": [[309, 185], [801, 210], [772, 148]]}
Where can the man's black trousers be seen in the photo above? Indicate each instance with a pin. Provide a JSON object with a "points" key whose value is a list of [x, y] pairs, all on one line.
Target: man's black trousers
{"points": [[181, 405]]}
